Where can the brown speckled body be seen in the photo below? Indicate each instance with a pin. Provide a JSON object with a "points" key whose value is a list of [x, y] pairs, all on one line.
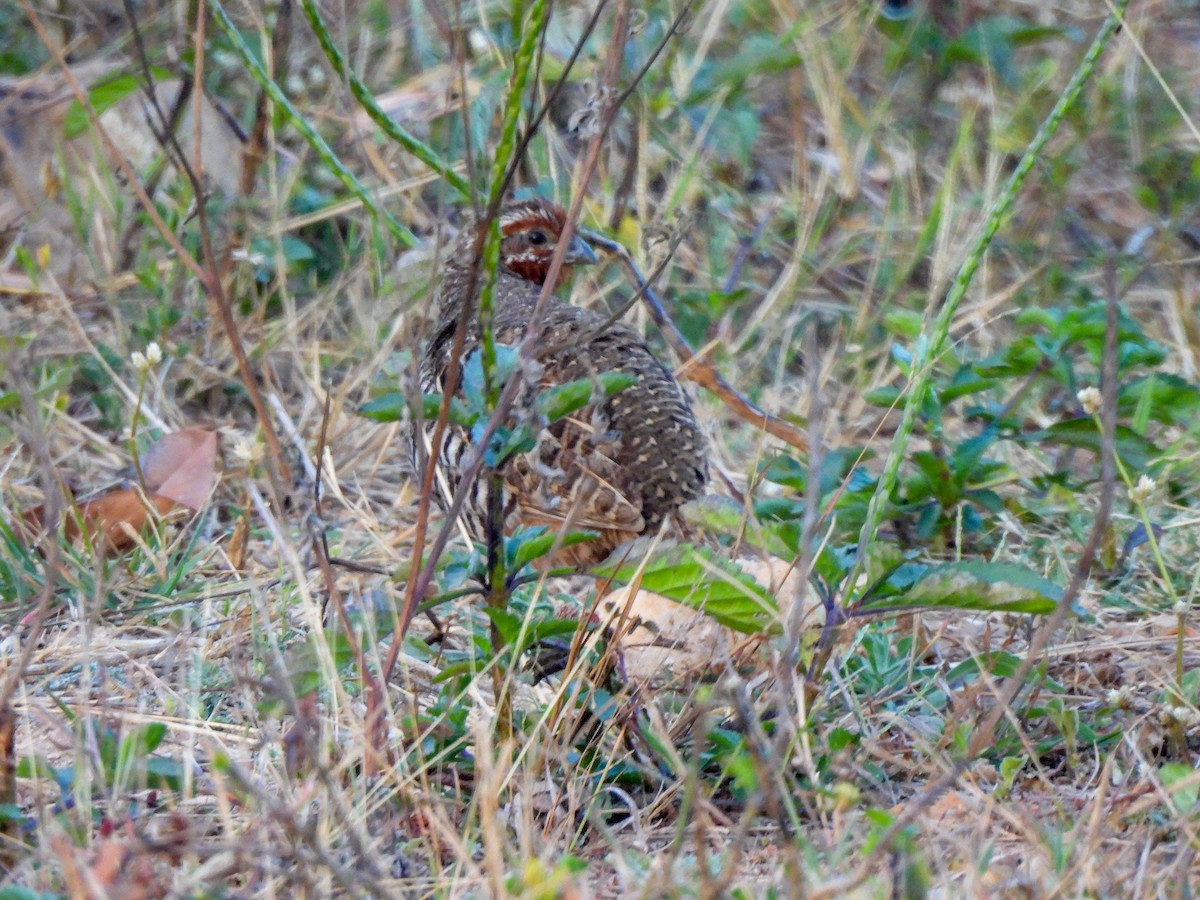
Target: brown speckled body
{"points": [[619, 467]]}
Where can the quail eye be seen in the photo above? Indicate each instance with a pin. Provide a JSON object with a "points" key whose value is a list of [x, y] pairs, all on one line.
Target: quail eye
{"points": [[537, 238]]}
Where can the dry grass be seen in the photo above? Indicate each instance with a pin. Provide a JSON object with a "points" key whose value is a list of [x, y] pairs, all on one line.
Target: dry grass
{"points": [[834, 190]]}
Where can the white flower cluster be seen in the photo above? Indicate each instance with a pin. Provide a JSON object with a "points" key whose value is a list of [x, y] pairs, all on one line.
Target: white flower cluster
{"points": [[144, 362]]}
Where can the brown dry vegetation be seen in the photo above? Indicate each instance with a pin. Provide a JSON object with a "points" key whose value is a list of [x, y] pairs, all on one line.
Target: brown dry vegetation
{"points": [[187, 716]]}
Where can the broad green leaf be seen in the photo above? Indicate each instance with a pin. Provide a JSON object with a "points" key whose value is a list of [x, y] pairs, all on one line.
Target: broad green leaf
{"points": [[886, 397], [389, 407], [507, 624], [473, 380], [166, 771], [16, 892], [152, 735], [990, 587], [727, 518], [905, 323], [697, 577], [965, 381]]}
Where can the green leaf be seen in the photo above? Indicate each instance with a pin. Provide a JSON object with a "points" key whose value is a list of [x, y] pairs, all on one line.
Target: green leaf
{"points": [[564, 399], [11, 812], [390, 407], [1135, 451], [965, 381], [473, 382], [16, 892], [104, 94], [462, 668], [526, 545], [727, 518], [164, 771], [905, 323], [885, 397], [990, 587], [507, 624], [153, 734], [1184, 795], [697, 577], [1168, 398]]}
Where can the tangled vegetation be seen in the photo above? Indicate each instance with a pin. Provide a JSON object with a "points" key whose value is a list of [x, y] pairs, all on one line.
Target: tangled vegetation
{"points": [[929, 273]]}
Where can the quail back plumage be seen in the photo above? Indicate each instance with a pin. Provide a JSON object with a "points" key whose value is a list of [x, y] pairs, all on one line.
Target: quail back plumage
{"points": [[620, 466]]}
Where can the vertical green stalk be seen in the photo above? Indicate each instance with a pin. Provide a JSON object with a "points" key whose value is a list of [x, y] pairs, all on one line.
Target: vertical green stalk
{"points": [[931, 343]]}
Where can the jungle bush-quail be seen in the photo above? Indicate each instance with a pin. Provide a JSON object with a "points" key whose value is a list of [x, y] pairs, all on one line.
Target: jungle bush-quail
{"points": [[620, 466]]}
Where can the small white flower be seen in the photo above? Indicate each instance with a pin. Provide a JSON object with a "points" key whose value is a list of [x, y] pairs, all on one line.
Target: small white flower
{"points": [[1121, 698], [248, 449], [144, 362], [1188, 716], [1182, 608], [1142, 491], [1090, 399]]}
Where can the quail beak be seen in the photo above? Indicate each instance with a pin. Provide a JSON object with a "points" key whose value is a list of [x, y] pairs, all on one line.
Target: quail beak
{"points": [[579, 253]]}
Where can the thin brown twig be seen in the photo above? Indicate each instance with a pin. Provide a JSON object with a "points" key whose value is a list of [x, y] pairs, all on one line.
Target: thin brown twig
{"points": [[696, 368], [256, 143], [617, 314]]}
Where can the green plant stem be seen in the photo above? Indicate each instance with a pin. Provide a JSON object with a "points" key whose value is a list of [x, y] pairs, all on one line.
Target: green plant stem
{"points": [[348, 179], [133, 426], [930, 344], [1161, 565]]}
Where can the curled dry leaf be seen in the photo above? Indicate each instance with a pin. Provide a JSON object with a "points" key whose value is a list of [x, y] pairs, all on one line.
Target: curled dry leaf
{"points": [[179, 470], [182, 466]]}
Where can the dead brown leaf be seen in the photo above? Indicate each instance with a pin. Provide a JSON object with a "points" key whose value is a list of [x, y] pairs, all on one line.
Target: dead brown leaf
{"points": [[179, 470], [182, 467]]}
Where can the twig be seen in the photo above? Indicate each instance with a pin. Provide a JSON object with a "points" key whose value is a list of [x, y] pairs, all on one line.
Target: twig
{"points": [[256, 142], [698, 369], [616, 314]]}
